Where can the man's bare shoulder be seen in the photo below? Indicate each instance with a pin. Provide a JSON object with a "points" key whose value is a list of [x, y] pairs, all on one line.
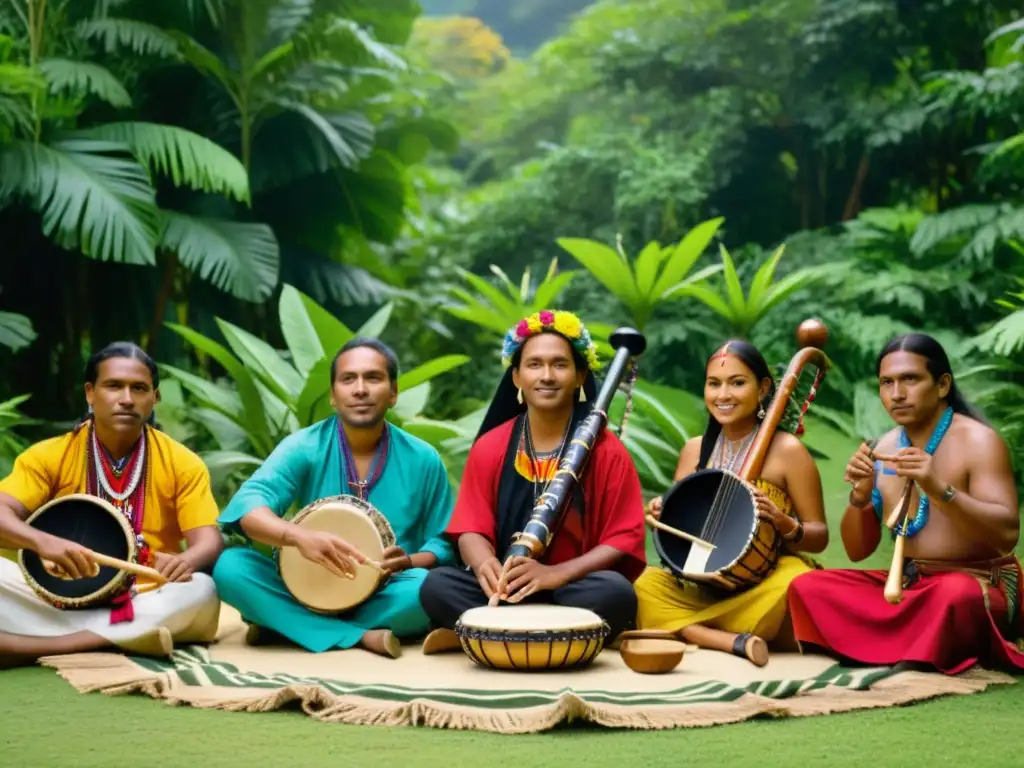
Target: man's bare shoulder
{"points": [[888, 443], [978, 437]]}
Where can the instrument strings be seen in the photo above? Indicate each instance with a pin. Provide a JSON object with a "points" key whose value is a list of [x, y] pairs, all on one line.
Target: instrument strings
{"points": [[725, 495]]}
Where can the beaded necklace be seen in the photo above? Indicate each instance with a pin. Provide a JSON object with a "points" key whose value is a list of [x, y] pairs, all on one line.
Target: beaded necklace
{"points": [[923, 504], [351, 472], [540, 480]]}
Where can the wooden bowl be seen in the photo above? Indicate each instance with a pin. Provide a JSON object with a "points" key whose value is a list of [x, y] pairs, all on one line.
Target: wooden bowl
{"points": [[652, 656]]}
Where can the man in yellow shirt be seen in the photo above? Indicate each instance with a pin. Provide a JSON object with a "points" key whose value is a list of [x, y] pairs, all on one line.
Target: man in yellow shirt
{"points": [[162, 487]]}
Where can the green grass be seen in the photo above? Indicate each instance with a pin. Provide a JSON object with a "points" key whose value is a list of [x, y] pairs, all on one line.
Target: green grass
{"points": [[46, 723]]}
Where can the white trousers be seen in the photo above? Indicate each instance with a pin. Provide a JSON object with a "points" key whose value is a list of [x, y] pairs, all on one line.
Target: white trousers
{"points": [[189, 610]]}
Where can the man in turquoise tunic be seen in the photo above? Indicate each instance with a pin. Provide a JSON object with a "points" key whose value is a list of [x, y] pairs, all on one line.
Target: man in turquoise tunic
{"points": [[354, 452]]}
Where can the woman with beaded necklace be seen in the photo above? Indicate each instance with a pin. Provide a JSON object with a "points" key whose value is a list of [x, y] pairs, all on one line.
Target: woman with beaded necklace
{"points": [[738, 388]]}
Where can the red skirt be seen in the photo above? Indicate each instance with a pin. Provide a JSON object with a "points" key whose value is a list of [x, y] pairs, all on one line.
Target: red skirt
{"points": [[951, 619]]}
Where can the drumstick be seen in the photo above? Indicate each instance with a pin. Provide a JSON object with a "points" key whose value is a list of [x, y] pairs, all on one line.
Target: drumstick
{"points": [[113, 562], [655, 523]]}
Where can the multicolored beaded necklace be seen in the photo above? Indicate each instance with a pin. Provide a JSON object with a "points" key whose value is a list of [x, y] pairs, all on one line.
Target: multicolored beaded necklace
{"points": [[916, 523], [123, 484], [351, 472]]}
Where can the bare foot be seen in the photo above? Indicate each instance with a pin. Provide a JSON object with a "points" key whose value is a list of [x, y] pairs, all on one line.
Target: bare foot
{"points": [[441, 640], [382, 642]]}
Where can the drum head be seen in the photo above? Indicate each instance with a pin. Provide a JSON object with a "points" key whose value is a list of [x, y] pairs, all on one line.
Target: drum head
{"points": [[315, 586], [519, 618], [84, 520], [688, 505]]}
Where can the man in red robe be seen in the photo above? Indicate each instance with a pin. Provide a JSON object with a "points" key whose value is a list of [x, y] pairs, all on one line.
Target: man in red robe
{"points": [[597, 551], [960, 602]]}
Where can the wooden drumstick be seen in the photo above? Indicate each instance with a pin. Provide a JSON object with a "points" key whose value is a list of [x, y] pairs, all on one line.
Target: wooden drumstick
{"points": [[112, 562], [656, 523]]}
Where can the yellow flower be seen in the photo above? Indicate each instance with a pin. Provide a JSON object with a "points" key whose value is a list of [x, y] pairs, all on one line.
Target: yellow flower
{"points": [[533, 321], [568, 324]]}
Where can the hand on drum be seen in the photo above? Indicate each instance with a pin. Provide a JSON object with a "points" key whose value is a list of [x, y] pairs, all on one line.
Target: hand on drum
{"points": [[173, 567], [766, 510], [395, 560], [526, 576], [332, 552], [65, 559], [488, 574], [654, 508]]}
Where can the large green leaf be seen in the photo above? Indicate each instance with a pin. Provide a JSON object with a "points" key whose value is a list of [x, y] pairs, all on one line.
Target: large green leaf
{"points": [[314, 401], [186, 158], [647, 264], [141, 38], [90, 201], [275, 373], [237, 257], [430, 369], [330, 332], [686, 254], [411, 402], [81, 78], [253, 417], [375, 326], [299, 332], [226, 401], [16, 331], [606, 265]]}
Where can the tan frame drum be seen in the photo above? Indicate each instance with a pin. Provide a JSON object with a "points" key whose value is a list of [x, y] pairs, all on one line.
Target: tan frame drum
{"points": [[359, 523]]}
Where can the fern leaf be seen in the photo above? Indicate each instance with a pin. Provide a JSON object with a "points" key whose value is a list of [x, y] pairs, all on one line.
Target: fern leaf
{"points": [[187, 158], [240, 258], [81, 78], [957, 222], [140, 38]]}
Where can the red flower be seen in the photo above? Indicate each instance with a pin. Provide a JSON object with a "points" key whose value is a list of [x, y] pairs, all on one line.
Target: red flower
{"points": [[523, 329], [547, 317]]}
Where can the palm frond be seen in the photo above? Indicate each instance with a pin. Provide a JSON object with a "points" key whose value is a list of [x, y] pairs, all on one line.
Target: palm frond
{"points": [[186, 157], [89, 199], [364, 39], [140, 38], [343, 139], [237, 257], [82, 78]]}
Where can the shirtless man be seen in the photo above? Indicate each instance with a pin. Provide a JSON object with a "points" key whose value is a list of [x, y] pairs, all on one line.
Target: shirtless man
{"points": [[960, 604]]}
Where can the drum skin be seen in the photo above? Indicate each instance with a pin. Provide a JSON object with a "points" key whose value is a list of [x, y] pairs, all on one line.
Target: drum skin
{"points": [[531, 637], [361, 525], [94, 523], [746, 548]]}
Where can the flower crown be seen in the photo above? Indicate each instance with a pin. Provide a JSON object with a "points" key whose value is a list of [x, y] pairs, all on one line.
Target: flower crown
{"points": [[564, 323]]}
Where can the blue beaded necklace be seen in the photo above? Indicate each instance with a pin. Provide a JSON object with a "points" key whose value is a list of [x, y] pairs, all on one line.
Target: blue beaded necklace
{"points": [[923, 503]]}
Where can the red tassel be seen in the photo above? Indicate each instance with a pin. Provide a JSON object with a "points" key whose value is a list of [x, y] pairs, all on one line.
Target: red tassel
{"points": [[123, 610]]}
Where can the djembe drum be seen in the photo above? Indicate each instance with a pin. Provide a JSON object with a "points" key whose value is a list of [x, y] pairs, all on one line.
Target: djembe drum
{"points": [[95, 524], [359, 523], [531, 637]]}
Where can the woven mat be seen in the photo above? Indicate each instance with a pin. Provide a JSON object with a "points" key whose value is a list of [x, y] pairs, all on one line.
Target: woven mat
{"points": [[450, 691]]}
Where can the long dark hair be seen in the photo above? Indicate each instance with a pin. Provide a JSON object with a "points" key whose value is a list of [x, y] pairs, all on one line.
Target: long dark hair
{"points": [[752, 358], [937, 362], [117, 349], [504, 405]]}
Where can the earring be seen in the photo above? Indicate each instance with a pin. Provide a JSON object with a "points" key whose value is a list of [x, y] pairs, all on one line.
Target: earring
{"points": [[760, 410], [519, 397], [583, 395], [90, 407]]}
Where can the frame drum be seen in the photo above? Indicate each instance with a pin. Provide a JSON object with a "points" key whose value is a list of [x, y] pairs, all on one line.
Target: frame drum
{"points": [[360, 524], [747, 548], [531, 637], [96, 524]]}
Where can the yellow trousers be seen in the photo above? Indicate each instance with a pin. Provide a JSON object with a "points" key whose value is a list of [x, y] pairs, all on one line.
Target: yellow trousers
{"points": [[665, 603]]}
